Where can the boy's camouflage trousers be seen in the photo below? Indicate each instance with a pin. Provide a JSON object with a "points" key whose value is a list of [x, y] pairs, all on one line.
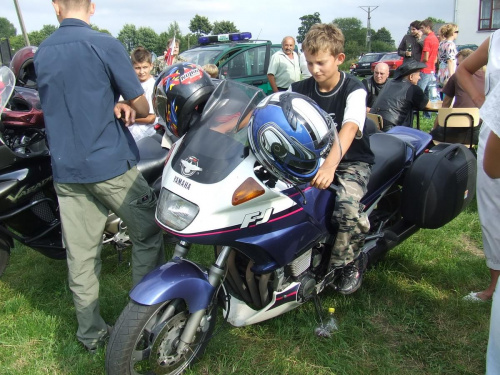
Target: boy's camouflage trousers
{"points": [[352, 221]]}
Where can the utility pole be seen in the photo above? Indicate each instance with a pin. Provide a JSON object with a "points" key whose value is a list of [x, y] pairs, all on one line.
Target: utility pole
{"points": [[21, 22], [368, 9]]}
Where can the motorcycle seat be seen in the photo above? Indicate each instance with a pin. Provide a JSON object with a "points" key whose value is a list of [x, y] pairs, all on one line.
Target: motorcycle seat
{"points": [[390, 159], [152, 157]]}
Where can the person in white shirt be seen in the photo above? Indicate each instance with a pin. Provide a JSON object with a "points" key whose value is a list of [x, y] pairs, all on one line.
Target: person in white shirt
{"points": [[142, 62], [284, 67]]}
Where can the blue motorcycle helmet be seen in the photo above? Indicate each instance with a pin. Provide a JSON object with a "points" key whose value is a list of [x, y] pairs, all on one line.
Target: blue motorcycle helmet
{"points": [[289, 134]]}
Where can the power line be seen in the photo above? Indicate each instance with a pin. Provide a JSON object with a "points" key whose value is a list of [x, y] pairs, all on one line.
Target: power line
{"points": [[368, 9]]}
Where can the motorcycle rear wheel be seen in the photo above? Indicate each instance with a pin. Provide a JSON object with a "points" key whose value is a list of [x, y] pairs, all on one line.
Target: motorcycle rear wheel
{"points": [[144, 339], [4, 255]]}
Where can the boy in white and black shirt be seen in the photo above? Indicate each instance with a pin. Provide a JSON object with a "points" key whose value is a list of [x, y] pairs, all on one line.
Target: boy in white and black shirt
{"points": [[344, 98]]}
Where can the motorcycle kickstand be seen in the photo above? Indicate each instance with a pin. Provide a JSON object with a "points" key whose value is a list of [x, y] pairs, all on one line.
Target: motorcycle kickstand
{"points": [[119, 247], [317, 306]]}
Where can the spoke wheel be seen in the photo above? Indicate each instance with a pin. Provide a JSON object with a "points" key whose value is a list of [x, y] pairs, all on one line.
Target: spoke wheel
{"points": [[145, 339]]}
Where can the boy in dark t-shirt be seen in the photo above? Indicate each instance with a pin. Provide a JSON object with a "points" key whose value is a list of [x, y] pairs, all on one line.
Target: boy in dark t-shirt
{"points": [[344, 98]]}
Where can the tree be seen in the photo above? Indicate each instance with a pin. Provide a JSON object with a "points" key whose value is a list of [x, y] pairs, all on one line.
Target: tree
{"points": [[147, 38], [96, 28], [436, 20], [306, 22], [128, 36], [16, 43], [7, 30], [383, 35], [164, 37], [378, 46], [224, 27], [352, 28], [37, 37], [200, 25]]}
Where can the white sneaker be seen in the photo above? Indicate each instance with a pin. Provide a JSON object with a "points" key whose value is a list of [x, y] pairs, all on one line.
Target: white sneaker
{"points": [[473, 297]]}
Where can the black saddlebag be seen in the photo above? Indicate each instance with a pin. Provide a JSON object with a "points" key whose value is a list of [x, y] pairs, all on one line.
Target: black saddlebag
{"points": [[439, 185]]}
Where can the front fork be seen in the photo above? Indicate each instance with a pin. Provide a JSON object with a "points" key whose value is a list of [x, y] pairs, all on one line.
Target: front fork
{"points": [[215, 276]]}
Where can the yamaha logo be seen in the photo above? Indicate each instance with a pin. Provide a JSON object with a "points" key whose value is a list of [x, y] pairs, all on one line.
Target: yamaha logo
{"points": [[190, 166]]}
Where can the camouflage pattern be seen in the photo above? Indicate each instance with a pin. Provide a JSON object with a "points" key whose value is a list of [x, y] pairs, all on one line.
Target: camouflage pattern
{"points": [[160, 64], [352, 221]]}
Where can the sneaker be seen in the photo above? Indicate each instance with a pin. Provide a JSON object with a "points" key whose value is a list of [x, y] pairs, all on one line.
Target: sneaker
{"points": [[473, 297], [92, 349], [352, 275]]}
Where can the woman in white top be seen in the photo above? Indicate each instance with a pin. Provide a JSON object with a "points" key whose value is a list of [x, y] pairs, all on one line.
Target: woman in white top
{"points": [[488, 189]]}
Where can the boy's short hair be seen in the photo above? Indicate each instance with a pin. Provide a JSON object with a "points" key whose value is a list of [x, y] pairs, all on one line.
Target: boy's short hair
{"points": [[427, 23], [211, 70], [73, 4], [416, 24], [324, 37], [466, 52], [141, 55]]}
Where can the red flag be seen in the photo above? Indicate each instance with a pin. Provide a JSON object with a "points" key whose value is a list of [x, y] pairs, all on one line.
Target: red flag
{"points": [[169, 57]]}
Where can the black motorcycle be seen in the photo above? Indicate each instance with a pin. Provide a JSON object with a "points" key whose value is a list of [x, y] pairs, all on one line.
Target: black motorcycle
{"points": [[29, 210]]}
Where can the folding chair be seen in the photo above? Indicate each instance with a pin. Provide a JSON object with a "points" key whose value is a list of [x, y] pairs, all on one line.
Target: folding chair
{"points": [[377, 119], [457, 125]]}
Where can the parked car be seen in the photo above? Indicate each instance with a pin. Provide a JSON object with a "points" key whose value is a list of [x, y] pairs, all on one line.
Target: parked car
{"points": [[236, 56], [392, 59], [363, 66], [464, 46]]}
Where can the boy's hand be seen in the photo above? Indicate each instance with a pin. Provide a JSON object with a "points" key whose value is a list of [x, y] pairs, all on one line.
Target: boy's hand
{"points": [[324, 177], [125, 113]]}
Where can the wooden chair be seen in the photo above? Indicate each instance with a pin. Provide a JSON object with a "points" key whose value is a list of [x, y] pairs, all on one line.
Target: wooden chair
{"points": [[377, 119], [458, 125]]}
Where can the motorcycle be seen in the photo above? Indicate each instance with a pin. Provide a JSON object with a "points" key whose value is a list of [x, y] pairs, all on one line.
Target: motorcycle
{"points": [[272, 239], [29, 211]]}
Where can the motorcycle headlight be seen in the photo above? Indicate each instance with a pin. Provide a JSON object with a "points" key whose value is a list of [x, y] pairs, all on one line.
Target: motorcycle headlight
{"points": [[174, 211]]}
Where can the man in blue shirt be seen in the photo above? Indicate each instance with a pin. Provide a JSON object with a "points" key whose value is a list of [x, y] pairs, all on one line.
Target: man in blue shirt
{"points": [[81, 74]]}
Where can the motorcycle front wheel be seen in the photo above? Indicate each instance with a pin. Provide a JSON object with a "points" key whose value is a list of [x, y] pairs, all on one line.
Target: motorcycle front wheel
{"points": [[145, 338]]}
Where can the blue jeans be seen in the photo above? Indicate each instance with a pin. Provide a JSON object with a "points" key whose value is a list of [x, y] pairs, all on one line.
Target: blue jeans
{"points": [[425, 80]]}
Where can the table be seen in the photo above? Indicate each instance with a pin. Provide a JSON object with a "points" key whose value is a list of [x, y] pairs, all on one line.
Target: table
{"points": [[431, 107]]}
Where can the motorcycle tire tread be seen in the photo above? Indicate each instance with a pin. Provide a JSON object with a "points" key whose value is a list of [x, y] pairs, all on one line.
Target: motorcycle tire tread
{"points": [[125, 332]]}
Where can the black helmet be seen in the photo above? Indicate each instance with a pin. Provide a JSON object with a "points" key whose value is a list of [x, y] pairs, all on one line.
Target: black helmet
{"points": [[23, 67], [181, 90]]}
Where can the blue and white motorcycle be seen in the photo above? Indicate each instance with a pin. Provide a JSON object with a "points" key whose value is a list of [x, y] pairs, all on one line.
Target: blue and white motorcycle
{"points": [[239, 182]]}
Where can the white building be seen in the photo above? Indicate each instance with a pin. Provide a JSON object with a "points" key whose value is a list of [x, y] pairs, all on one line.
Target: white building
{"points": [[476, 19]]}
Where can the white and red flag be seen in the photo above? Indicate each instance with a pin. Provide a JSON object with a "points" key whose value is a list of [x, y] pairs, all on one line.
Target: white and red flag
{"points": [[169, 57]]}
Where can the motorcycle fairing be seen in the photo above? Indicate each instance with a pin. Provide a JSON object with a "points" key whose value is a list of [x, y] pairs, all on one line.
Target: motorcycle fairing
{"points": [[240, 314], [220, 223], [179, 278]]}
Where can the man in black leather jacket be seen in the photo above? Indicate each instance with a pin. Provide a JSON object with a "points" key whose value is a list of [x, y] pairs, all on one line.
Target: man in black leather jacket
{"points": [[401, 96], [375, 83]]}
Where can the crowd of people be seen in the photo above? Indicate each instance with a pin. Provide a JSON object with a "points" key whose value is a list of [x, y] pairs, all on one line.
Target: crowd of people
{"points": [[94, 157]]}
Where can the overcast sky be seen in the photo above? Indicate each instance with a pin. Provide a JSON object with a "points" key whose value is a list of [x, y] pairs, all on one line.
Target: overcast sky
{"points": [[265, 19]]}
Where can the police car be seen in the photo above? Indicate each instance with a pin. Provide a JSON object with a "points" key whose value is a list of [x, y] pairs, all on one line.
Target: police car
{"points": [[236, 56]]}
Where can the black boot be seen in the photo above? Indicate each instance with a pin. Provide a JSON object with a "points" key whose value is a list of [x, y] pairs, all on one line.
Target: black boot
{"points": [[351, 275]]}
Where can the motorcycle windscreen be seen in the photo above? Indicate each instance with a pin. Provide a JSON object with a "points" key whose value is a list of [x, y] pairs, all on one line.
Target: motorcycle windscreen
{"points": [[219, 142]]}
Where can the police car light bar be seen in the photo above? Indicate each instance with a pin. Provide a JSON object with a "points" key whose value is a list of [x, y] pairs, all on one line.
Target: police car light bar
{"points": [[233, 37]]}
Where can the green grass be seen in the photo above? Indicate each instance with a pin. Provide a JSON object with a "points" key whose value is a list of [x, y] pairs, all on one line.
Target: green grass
{"points": [[408, 317]]}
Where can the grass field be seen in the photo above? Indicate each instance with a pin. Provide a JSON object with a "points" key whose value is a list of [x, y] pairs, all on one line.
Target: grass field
{"points": [[408, 317]]}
